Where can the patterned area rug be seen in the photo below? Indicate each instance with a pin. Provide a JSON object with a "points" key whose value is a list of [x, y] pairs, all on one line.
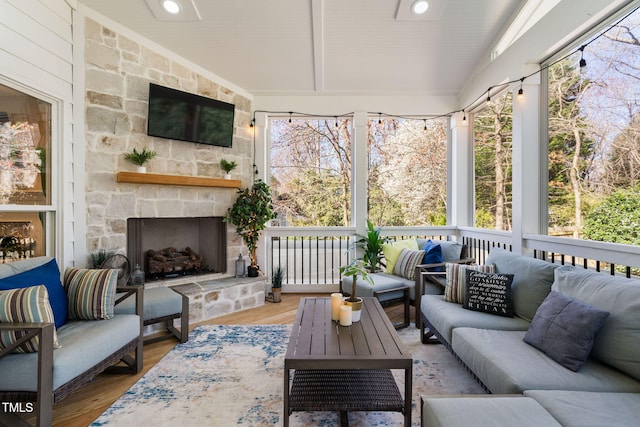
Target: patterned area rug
{"points": [[232, 375]]}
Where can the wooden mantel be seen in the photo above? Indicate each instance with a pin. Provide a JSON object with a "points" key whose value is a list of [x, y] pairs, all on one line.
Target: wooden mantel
{"points": [[161, 179]]}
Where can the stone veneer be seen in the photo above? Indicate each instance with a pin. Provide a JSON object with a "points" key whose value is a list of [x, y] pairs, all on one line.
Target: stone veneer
{"points": [[117, 76]]}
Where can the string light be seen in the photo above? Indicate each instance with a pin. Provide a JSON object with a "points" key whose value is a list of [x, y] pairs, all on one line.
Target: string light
{"points": [[464, 116], [290, 114], [425, 124], [336, 121], [489, 97], [583, 62], [379, 118], [520, 91]]}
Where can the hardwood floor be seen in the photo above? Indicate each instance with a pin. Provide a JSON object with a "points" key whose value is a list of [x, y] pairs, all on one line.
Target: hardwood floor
{"points": [[84, 405]]}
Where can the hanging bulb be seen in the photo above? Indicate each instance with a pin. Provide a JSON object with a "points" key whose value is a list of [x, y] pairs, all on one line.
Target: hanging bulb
{"points": [[336, 121], [488, 99], [583, 62], [290, 114], [520, 91], [464, 116], [379, 118], [425, 124], [253, 123]]}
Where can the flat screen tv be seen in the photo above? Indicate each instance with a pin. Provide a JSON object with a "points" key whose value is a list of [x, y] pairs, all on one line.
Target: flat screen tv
{"points": [[183, 116]]}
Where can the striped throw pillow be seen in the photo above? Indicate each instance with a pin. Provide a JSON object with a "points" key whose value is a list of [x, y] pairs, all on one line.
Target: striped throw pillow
{"points": [[456, 285], [90, 293], [406, 263], [25, 305]]}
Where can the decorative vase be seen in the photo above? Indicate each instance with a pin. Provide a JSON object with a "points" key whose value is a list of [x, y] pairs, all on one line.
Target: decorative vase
{"points": [[252, 271], [277, 294], [227, 176], [141, 169], [356, 308]]}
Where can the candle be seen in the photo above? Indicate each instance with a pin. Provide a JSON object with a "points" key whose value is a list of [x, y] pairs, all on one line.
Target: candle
{"points": [[345, 315], [336, 302]]}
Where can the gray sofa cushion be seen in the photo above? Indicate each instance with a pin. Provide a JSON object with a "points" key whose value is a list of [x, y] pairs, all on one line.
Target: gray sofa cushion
{"points": [[564, 329], [381, 282], [83, 344], [618, 341], [158, 302], [444, 316], [532, 279], [588, 409], [507, 365], [485, 412]]}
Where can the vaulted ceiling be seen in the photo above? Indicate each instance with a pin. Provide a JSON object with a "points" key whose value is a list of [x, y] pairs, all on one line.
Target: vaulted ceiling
{"points": [[346, 47]]}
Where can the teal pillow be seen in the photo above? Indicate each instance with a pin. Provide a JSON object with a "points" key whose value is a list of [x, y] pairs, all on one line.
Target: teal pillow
{"points": [[48, 275]]}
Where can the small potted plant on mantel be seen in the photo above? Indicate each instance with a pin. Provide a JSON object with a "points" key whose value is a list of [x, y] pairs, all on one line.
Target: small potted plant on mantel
{"points": [[139, 158], [227, 167], [356, 268]]}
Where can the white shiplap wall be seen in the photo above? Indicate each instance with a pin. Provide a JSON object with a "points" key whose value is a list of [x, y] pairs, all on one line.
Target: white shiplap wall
{"points": [[36, 56]]}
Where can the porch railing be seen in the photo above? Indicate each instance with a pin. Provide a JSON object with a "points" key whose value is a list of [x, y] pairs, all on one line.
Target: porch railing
{"points": [[312, 256]]}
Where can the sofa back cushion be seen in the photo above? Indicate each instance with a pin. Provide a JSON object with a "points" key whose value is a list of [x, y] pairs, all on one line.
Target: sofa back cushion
{"points": [[532, 279], [91, 293], [618, 341]]}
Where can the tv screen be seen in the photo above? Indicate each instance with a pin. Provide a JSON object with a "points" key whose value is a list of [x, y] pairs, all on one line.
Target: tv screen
{"points": [[174, 114]]}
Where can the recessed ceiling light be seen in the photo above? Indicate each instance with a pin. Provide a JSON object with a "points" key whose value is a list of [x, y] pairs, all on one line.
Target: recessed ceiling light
{"points": [[419, 7], [171, 6]]}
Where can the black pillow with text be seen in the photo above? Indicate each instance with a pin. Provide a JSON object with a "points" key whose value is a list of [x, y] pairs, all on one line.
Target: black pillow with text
{"points": [[489, 293]]}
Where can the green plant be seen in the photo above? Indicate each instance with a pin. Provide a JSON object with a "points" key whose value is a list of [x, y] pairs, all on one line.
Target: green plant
{"points": [[356, 268], [228, 166], [140, 157], [277, 277], [371, 245], [250, 214], [97, 258]]}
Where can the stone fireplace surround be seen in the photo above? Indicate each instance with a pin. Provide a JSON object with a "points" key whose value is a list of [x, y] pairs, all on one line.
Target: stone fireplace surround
{"points": [[118, 70]]}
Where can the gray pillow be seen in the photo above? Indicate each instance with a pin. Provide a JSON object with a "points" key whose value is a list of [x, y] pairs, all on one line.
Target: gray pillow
{"points": [[564, 329], [450, 250], [532, 279]]}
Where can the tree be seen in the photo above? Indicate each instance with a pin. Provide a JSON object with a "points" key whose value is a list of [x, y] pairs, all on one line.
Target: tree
{"points": [[570, 148], [616, 218], [492, 138]]}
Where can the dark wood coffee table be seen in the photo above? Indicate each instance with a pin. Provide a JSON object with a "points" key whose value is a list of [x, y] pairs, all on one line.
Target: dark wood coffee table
{"points": [[344, 369]]}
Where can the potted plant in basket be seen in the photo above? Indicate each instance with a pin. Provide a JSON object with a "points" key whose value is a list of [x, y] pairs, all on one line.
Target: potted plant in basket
{"points": [[276, 283], [227, 167], [250, 214], [356, 268], [371, 245], [139, 158]]}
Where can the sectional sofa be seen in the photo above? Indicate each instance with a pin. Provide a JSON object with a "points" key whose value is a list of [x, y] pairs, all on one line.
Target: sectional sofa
{"points": [[570, 355]]}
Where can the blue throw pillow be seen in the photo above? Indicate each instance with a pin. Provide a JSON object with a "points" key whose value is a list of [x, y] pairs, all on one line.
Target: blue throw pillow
{"points": [[49, 276], [433, 255]]}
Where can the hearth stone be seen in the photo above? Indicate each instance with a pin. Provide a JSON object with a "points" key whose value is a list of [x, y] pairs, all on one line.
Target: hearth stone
{"points": [[216, 297]]}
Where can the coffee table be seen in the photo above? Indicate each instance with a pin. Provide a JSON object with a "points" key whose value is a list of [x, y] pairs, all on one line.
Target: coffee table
{"points": [[337, 368]]}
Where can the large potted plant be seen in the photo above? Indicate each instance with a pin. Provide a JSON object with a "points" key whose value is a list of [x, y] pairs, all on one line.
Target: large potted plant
{"points": [[371, 245], [356, 268], [250, 214]]}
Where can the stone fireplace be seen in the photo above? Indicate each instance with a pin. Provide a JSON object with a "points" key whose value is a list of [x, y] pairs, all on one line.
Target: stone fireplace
{"points": [[203, 238]]}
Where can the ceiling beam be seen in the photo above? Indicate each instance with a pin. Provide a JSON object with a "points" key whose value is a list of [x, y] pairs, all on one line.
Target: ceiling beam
{"points": [[317, 25]]}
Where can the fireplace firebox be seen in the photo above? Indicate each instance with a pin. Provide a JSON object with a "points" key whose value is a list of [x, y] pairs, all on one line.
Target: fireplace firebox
{"points": [[169, 247]]}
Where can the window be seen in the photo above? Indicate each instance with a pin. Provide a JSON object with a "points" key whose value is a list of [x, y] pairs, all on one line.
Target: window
{"points": [[492, 136], [407, 172], [594, 138], [25, 174], [311, 171]]}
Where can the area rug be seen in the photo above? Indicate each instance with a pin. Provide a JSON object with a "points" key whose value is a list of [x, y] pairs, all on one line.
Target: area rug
{"points": [[232, 375]]}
